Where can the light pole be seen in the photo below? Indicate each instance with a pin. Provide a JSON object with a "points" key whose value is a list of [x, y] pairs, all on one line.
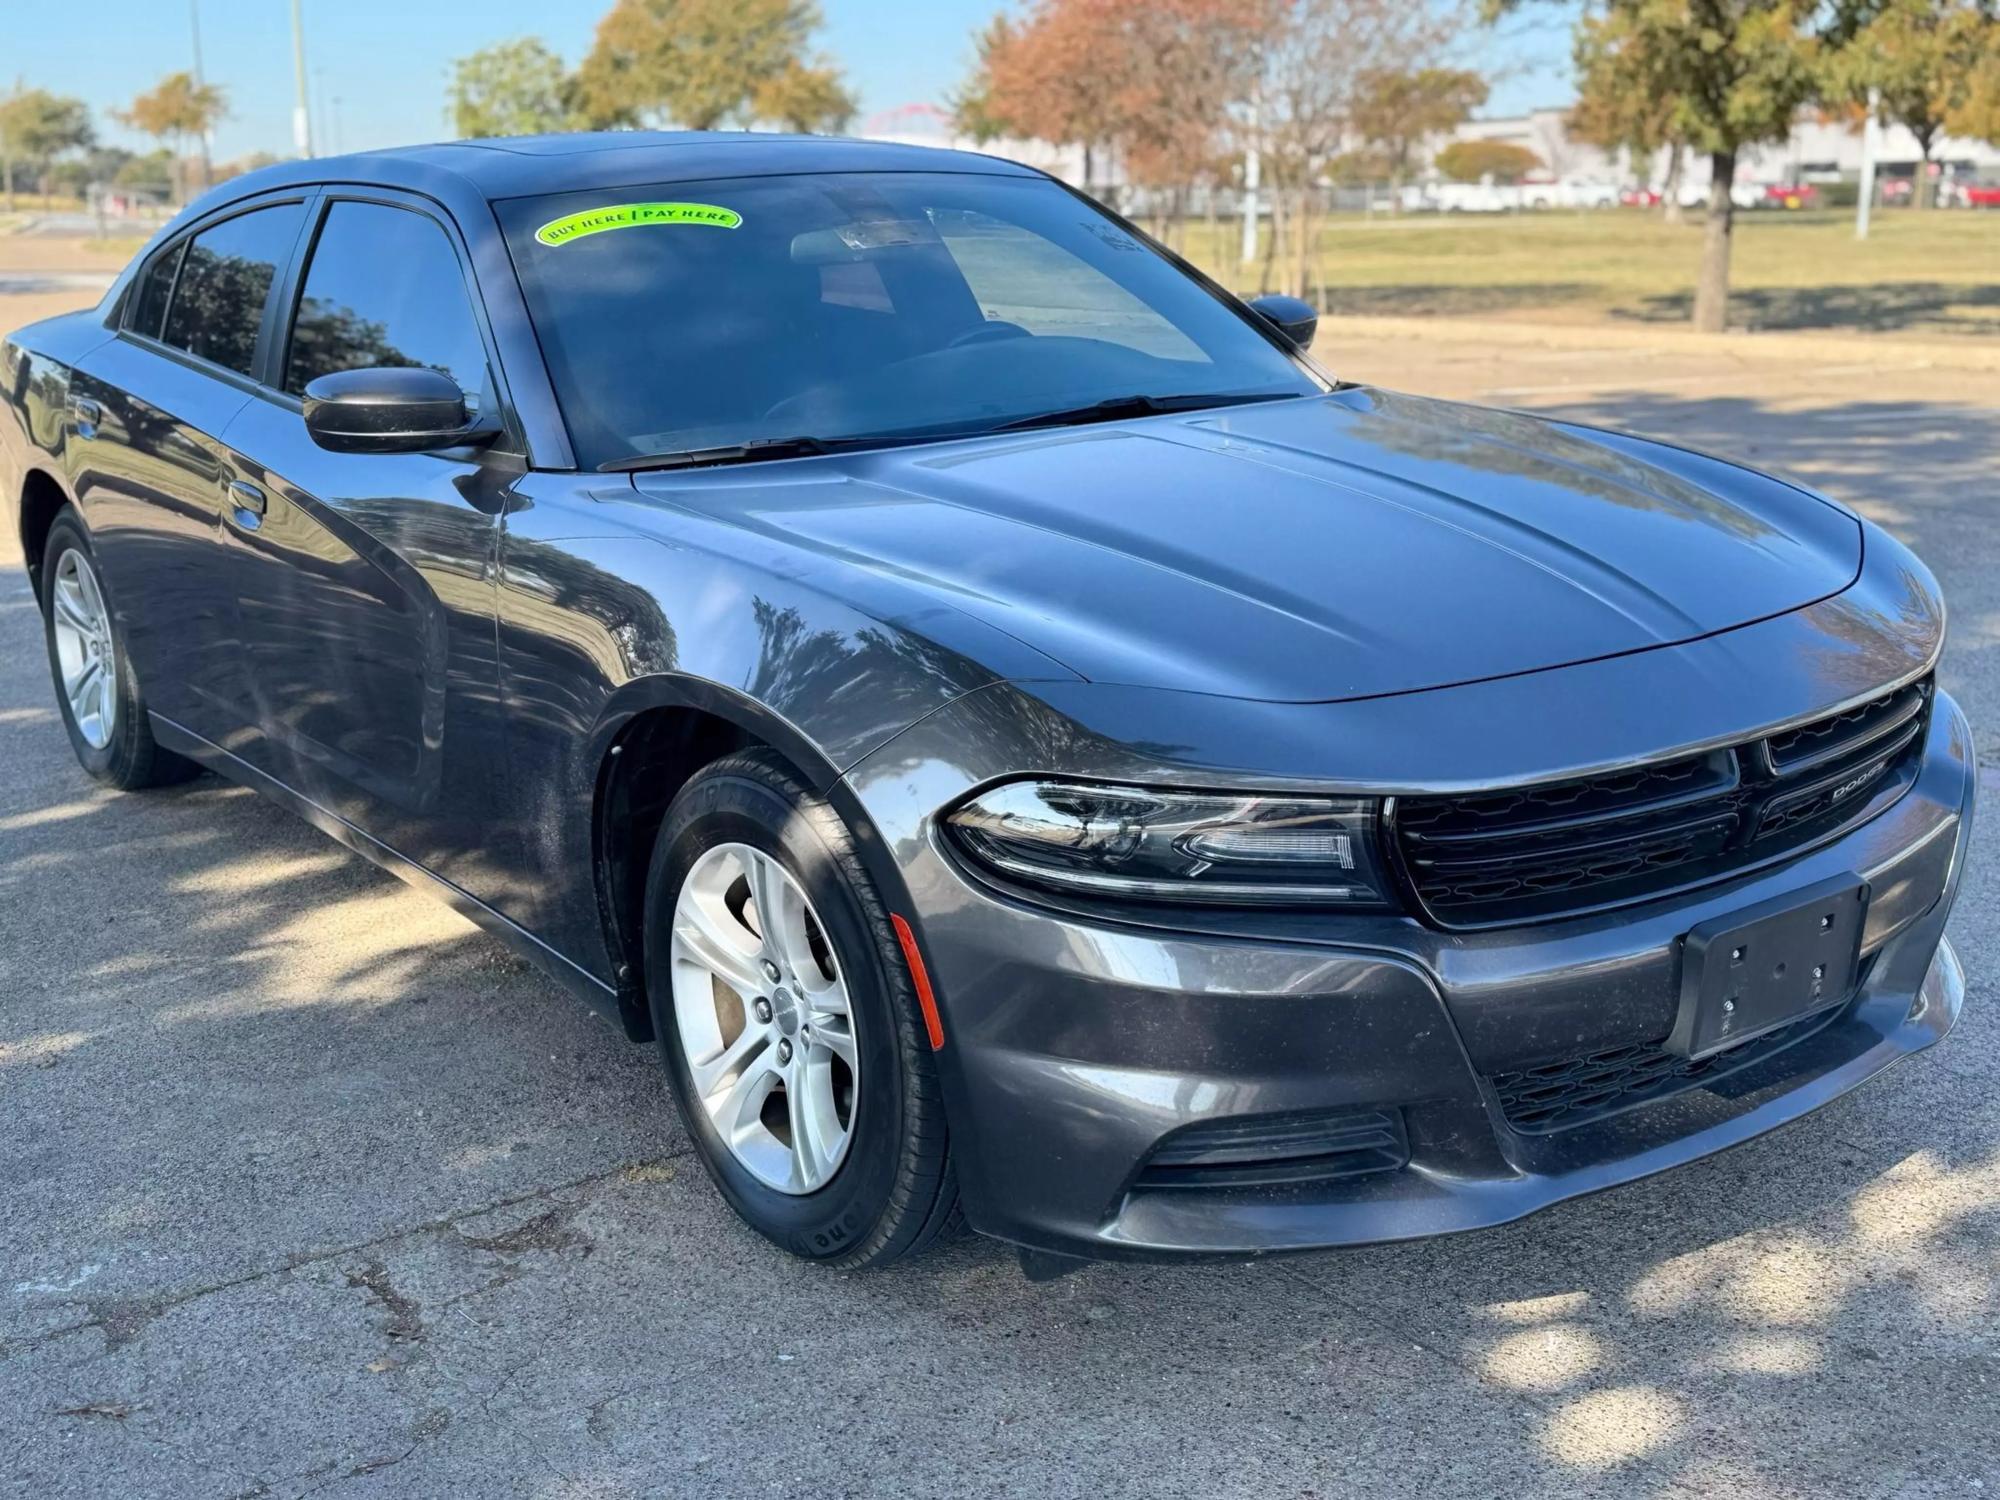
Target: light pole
{"points": [[1864, 203], [302, 132], [207, 133]]}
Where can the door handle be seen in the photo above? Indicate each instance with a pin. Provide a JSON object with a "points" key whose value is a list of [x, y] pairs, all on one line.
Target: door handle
{"points": [[247, 496], [88, 413]]}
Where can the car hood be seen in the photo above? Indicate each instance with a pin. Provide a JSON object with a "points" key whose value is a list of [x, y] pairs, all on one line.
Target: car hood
{"points": [[1345, 546]]}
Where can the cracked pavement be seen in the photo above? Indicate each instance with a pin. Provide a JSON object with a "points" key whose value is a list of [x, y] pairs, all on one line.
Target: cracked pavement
{"points": [[309, 1188]]}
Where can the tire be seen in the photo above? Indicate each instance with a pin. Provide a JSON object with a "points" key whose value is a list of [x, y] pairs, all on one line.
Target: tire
{"points": [[122, 753], [893, 1190]]}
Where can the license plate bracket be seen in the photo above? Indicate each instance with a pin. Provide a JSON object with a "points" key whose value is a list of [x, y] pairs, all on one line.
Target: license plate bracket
{"points": [[1757, 969]]}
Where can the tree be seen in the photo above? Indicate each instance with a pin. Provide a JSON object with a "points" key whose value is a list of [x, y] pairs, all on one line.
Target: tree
{"points": [[1152, 80], [1737, 73], [1313, 70], [511, 88], [1398, 110], [176, 108], [1058, 76], [152, 173], [36, 127], [1977, 116], [1921, 59], [806, 98], [1617, 110], [1472, 161], [74, 174], [695, 63], [1190, 63], [973, 108]]}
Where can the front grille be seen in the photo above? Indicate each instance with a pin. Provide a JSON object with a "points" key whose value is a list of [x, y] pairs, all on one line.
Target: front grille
{"points": [[1288, 1150], [1559, 1096], [1594, 842]]}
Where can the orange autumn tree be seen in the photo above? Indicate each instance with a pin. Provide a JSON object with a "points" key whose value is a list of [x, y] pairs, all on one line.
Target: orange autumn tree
{"points": [[1150, 80]]}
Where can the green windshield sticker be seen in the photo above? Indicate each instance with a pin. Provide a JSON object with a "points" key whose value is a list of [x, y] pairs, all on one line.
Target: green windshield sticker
{"points": [[631, 215]]}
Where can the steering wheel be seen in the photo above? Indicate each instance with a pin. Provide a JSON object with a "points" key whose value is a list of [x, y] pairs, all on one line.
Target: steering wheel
{"points": [[983, 332]]}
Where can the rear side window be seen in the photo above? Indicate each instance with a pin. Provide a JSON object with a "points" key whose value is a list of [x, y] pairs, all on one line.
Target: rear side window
{"points": [[150, 311], [384, 289], [218, 303]]}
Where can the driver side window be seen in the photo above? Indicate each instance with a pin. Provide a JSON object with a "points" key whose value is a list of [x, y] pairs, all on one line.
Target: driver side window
{"points": [[384, 289]]}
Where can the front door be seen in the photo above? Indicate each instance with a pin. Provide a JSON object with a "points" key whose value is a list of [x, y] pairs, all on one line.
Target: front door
{"points": [[363, 584]]}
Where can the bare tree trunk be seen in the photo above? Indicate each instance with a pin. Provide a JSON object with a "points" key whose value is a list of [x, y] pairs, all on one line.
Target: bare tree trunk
{"points": [[1273, 239], [1319, 269], [1670, 195], [1302, 226], [1920, 190], [1711, 288]]}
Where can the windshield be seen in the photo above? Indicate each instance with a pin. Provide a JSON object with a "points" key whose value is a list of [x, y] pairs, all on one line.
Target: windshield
{"points": [[853, 306]]}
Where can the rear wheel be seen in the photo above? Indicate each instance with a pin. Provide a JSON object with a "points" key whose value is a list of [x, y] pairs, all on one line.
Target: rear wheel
{"points": [[787, 1022], [96, 690]]}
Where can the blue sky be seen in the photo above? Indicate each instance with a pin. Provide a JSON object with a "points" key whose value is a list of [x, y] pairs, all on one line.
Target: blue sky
{"points": [[386, 62]]}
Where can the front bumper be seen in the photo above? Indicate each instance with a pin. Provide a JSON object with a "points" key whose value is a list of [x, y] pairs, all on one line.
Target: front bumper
{"points": [[1076, 1046]]}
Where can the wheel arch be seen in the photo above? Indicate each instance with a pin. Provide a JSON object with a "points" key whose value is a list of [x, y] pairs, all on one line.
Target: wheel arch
{"points": [[653, 736], [42, 498]]}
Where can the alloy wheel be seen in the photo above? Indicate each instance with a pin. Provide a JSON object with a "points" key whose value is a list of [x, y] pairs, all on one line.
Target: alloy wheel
{"points": [[764, 1020], [84, 653]]}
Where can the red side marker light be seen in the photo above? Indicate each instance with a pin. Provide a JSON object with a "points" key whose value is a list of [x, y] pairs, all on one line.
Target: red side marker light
{"points": [[926, 1000]]}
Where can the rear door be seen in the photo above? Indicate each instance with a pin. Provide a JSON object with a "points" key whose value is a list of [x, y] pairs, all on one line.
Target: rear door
{"points": [[148, 411], [362, 585]]}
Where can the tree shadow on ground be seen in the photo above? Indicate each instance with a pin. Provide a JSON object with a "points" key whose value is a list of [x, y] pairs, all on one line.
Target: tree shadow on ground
{"points": [[1438, 301], [1876, 307]]}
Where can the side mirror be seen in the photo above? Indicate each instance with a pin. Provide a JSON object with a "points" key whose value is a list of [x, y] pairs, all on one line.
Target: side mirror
{"points": [[396, 410], [1298, 321]]}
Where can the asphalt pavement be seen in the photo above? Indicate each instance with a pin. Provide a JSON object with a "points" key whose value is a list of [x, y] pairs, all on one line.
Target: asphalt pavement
{"points": [[308, 1187]]}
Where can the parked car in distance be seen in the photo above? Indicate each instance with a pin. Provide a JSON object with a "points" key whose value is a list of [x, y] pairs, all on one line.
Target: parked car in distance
{"points": [[1489, 197], [1023, 739], [1790, 195], [1639, 197], [1569, 192]]}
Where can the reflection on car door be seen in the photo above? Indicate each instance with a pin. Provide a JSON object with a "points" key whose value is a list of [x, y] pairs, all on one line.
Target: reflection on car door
{"points": [[363, 584], [148, 411]]}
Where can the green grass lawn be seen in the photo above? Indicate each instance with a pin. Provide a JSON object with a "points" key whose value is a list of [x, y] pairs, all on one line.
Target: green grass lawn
{"points": [[1924, 273]]}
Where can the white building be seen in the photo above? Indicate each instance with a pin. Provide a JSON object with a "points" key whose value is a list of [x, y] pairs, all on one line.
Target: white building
{"points": [[1814, 152]]}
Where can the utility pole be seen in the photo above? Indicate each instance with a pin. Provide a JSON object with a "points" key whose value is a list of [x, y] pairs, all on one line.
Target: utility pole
{"points": [[1865, 201], [302, 132], [207, 131]]}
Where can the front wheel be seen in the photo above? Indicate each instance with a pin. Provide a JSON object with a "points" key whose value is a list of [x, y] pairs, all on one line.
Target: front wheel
{"points": [[787, 1021], [96, 689]]}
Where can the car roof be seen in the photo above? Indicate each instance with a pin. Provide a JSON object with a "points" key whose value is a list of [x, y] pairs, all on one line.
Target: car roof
{"points": [[523, 166]]}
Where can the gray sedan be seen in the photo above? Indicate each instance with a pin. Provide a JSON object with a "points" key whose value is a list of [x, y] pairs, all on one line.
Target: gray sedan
{"points": [[1026, 742]]}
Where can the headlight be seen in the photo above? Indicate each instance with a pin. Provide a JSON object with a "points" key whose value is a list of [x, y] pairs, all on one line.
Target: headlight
{"points": [[1144, 845]]}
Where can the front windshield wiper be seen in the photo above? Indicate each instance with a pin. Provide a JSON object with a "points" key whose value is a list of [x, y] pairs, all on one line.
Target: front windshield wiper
{"points": [[1117, 408], [806, 446], [754, 451]]}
